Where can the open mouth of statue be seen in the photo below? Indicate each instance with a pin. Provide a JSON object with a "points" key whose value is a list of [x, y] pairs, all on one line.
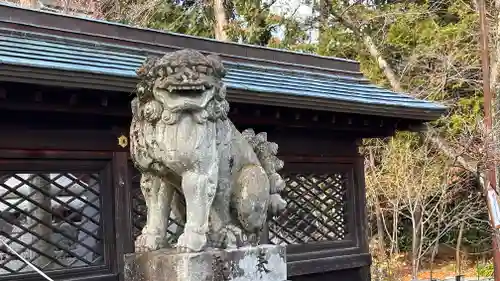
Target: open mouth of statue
{"points": [[186, 97], [187, 89]]}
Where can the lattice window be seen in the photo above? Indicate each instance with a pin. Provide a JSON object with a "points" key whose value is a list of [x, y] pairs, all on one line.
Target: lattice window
{"points": [[51, 219], [315, 211], [139, 213], [138, 210]]}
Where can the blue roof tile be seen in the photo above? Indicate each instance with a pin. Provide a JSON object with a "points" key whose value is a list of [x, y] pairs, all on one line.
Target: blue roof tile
{"points": [[96, 58]]}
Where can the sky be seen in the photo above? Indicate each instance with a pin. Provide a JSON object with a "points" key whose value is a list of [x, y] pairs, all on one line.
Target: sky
{"points": [[299, 9], [289, 6]]}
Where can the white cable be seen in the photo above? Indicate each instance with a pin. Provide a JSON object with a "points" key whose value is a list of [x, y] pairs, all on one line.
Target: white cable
{"points": [[27, 262]]}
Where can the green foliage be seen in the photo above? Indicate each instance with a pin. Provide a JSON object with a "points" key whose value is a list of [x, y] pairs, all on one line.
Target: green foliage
{"points": [[466, 113], [338, 42], [253, 23], [485, 270]]}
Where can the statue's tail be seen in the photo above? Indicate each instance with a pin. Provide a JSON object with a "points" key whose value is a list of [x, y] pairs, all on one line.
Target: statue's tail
{"points": [[266, 152]]}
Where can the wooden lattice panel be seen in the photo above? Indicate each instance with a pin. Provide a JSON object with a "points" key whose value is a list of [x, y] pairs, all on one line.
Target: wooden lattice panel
{"points": [[138, 211], [51, 219], [315, 210]]}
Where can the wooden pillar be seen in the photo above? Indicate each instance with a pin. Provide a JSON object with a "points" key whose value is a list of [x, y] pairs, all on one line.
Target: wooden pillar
{"points": [[123, 208]]}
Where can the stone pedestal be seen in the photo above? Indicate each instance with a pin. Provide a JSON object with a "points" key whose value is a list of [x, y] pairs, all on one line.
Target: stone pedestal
{"points": [[264, 263]]}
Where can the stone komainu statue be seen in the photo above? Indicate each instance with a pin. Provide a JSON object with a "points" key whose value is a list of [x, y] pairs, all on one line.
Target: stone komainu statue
{"points": [[180, 128]]}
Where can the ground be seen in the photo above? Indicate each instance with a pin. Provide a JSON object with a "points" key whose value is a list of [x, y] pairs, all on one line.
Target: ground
{"points": [[445, 270], [398, 268]]}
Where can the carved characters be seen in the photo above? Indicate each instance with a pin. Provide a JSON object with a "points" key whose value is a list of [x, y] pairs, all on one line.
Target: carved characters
{"points": [[179, 127]]}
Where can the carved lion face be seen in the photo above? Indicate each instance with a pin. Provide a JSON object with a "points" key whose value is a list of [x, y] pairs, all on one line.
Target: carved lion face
{"points": [[187, 80]]}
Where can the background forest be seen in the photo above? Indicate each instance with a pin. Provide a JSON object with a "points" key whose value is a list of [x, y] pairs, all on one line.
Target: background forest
{"points": [[426, 205]]}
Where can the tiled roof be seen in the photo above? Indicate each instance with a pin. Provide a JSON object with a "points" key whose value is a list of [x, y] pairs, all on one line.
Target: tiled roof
{"points": [[78, 56]]}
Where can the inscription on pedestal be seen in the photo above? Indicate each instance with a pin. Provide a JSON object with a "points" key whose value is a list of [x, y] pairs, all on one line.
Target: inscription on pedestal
{"points": [[264, 262]]}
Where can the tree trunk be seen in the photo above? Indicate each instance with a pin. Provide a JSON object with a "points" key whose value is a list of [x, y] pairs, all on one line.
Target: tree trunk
{"points": [[458, 268], [416, 240], [383, 64], [374, 52], [395, 236], [220, 20], [433, 257], [378, 215], [324, 12], [380, 228]]}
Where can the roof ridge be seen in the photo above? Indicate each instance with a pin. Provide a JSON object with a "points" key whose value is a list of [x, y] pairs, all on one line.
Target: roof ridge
{"points": [[125, 63], [274, 74], [20, 15], [133, 52]]}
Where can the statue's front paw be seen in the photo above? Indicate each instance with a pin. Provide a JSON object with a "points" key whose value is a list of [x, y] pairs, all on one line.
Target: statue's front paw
{"points": [[147, 242], [191, 241]]}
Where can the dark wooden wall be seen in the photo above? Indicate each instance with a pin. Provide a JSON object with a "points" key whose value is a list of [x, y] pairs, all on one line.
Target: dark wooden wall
{"points": [[43, 141]]}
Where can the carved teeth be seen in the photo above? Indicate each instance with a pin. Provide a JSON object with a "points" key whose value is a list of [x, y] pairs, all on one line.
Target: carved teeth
{"points": [[172, 88]]}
